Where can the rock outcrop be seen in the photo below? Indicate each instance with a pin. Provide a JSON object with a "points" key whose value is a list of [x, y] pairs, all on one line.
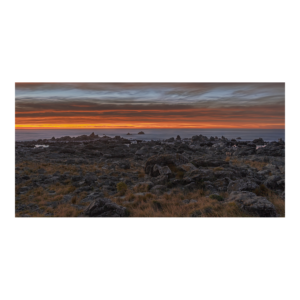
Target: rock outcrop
{"points": [[103, 207], [255, 205]]}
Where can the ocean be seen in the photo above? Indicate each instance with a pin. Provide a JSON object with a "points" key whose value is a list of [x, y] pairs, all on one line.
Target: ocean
{"points": [[154, 134]]}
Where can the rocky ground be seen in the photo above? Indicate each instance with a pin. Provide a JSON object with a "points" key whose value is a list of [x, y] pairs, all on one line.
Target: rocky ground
{"points": [[92, 176]]}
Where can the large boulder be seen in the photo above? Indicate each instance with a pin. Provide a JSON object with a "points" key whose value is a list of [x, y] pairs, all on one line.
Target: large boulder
{"points": [[103, 207], [273, 182], [242, 185], [158, 170], [255, 205], [244, 151], [163, 160], [90, 178]]}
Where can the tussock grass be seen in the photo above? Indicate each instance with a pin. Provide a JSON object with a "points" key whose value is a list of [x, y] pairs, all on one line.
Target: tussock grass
{"points": [[253, 164], [170, 205]]}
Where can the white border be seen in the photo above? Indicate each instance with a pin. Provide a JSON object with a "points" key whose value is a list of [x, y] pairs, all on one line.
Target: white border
{"points": [[282, 218]]}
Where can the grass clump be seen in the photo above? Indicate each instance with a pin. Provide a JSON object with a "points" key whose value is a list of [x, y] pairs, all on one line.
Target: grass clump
{"points": [[218, 169], [216, 197], [262, 190], [122, 187]]}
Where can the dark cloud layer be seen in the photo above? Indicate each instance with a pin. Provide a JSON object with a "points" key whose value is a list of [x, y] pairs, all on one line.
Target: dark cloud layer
{"points": [[155, 104]]}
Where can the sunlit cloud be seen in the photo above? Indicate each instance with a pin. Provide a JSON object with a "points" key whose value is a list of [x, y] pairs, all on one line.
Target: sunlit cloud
{"points": [[150, 105]]}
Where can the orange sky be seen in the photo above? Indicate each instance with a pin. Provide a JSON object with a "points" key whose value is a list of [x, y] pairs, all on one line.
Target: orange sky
{"points": [[219, 105]]}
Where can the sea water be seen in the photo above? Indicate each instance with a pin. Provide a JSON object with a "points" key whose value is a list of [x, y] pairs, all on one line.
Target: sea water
{"points": [[154, 134]]}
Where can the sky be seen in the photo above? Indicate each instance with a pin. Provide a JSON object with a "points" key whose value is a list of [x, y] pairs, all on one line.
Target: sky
{"points": [[149, 105]]}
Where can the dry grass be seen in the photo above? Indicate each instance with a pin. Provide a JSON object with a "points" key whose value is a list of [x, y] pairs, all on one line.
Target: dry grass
{"points": [[218, 169], [141, 173], [49, 168], [253, 164], [141, 188], [66, 210], [170, 205]]}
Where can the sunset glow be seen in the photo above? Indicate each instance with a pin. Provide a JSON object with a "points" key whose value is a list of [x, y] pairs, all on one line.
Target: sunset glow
{"points": [[149, 105]]}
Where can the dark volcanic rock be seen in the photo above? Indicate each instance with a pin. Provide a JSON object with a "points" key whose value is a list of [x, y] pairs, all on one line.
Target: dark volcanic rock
{"points": [[103, 207], [67, 150], [164, 160], [259, 141], [273, 182], [255, 205], [209, 162], [160, 180], [242, 185], [198, 175]]}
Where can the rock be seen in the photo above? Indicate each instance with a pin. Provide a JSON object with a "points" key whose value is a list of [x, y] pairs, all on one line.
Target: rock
{"points": [[25, 216], [281, 184], [67, 150], [255, 205], [178, 138], [197, 175], [187, 167], [158, 170], [209, 163], [141, 132], [170, 140], [271, 182], [83, 189], [160, 180], [76, 178], [196, 214], [242, 185], [103, 207], [23, 189], [90, 178], [245, 151], [164, 160], [124, 165], [259, 141], [142, 151], [190, 186], [221, 184], [224, 173], [157, 189]]}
